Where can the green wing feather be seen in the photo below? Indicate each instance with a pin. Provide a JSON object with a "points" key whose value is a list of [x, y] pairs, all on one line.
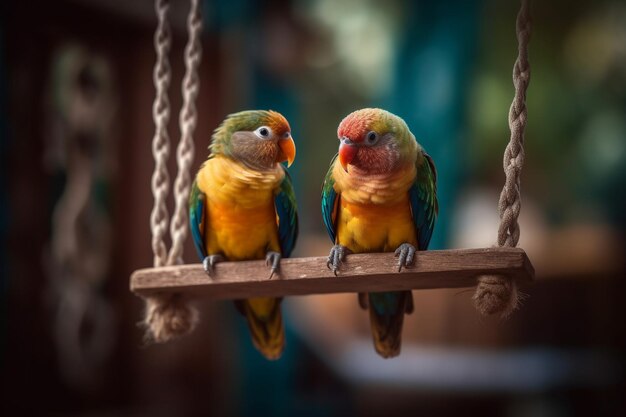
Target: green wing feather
{"points": [[423, 199], [286, 210], [330, 202], [197, 219]]}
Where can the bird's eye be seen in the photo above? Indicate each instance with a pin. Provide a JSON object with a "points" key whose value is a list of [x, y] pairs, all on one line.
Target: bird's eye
{"points": [[263, 132], [371, 138]]}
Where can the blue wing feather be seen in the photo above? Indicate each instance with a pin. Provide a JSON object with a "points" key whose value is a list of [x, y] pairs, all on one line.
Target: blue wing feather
{"points": [[196, 219], [286, 210], [423, 199], [330, 200]]}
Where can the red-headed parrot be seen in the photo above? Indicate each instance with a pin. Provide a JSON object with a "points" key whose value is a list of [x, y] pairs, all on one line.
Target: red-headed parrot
{"points": [[243, 207], [380, 195]]}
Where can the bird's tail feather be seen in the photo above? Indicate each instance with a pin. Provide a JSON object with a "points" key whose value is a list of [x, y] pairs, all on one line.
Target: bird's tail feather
{"points": [[265, 323], [386, 318]]}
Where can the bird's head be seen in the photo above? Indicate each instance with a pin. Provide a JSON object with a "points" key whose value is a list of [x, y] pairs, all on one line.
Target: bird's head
{"points": [[374, 141], [258, 138]]}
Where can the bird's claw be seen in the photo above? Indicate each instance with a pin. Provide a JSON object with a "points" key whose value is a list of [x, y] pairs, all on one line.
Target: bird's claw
{"points": [[272, 259], [209, 263], [405, 254], [336, 257]]}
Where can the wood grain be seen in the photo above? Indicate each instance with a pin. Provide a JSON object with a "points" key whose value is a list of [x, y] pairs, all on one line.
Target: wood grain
{"points": [[359, 273]]}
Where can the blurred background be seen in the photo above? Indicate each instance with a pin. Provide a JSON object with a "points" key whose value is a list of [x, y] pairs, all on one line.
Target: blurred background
{"points": [[76, 126]]}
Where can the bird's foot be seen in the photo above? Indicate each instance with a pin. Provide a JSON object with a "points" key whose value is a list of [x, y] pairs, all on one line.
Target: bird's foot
{"points": [[405, 254], [209, 263], [272, 259], [336, 257]]}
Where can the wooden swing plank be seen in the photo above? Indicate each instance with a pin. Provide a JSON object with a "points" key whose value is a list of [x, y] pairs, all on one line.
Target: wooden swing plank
{"points": [[359, 273]]}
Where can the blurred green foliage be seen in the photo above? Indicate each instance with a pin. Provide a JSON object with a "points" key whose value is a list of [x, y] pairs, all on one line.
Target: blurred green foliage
{"points": [[576, 137]]}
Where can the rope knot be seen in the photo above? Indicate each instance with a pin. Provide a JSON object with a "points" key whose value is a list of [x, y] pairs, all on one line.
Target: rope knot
{"points": [[169, 317], [497, 294]]}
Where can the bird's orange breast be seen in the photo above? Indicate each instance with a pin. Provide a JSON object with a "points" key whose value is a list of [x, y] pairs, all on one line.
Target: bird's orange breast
{"points": [[240, 213], [374, 214], [380, 228]]}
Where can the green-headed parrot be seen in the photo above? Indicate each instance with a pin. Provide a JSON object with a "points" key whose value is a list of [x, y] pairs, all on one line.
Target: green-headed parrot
{"points": [[380, 195], [243, 207]]}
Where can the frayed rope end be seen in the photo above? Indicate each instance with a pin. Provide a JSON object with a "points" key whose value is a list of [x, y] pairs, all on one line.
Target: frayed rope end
{"points": [[168, 318], [497, 295]]}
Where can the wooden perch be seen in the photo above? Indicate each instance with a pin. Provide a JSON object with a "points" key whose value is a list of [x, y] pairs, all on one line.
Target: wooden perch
{"points": [[359, 273]]}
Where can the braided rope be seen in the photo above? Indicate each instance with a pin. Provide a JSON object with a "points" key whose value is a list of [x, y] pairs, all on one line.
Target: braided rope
{"points": [[509, 205], [167, 317], [187, 122], [161, 142], [497, 294]]}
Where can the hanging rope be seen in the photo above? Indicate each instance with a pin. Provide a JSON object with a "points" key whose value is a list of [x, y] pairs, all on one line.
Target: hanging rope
{"points": [[161, 142], [187, 121], [170, 316], [80, 145], [496, 294]]}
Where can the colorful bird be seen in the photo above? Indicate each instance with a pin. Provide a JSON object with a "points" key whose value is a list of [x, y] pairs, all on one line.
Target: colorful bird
{"points": [[380, 195], [242, 206]]}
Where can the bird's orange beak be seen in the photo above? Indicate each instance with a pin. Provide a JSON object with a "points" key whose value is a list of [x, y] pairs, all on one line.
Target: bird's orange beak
{"points": [[288, 150], [347, 152]]}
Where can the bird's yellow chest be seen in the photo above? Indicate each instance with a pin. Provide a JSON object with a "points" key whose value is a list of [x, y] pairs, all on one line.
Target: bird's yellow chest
{"points": [[240, 212], [374, 214], [382, 228]]}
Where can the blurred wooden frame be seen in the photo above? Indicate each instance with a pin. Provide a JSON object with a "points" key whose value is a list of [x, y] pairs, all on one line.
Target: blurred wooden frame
{"points": [[359, 273]]}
